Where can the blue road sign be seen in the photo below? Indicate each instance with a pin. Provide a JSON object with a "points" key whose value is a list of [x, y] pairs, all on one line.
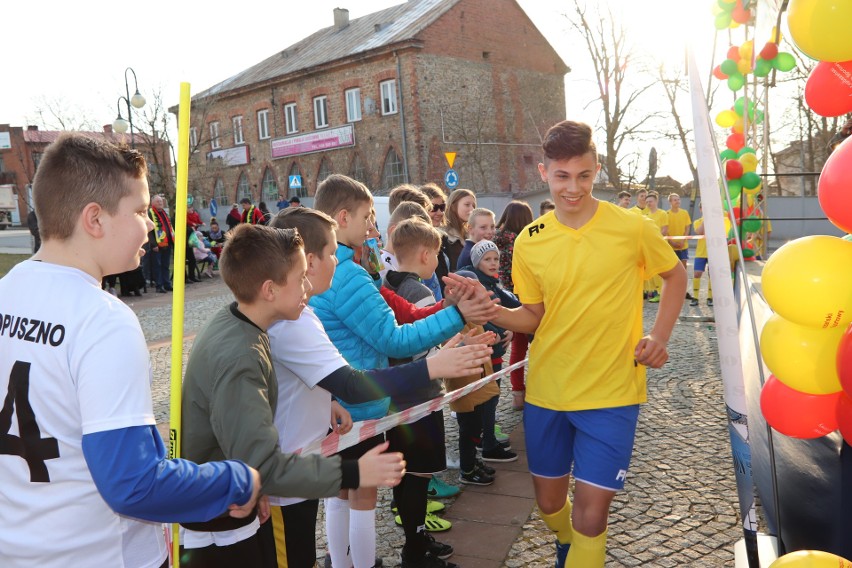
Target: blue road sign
{"points": [[214, 207], [295, 182], [451, 179]]}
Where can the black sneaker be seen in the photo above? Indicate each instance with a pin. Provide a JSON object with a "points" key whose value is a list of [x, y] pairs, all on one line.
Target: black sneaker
{"points": [[438, 549], [428, 561], [327, 562], [486, 468], [476, 477], [710, 302], [499, 454], [689, 296], [693, 302], [477, 442]]}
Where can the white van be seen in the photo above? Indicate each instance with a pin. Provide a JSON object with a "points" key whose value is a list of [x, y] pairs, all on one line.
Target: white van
{"points": [[380, 203]]}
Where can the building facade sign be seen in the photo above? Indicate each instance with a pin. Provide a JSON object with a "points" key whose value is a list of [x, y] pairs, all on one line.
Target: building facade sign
{"points": [[327, 139], [236, 156]]}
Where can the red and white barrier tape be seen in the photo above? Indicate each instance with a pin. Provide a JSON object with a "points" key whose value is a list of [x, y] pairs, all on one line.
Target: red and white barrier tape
{"points": [[690, 238], [361, 431]]}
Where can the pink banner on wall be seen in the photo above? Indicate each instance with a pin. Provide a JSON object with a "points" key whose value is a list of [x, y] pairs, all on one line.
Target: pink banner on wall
{"points": [[318, 141]]}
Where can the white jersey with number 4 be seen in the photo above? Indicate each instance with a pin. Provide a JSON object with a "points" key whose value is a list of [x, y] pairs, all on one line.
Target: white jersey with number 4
{"points": [[73, 361]]}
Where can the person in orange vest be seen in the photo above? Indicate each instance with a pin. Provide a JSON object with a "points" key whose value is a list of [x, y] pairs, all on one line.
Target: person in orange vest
{"points": [[251, 214], [161, 240]]}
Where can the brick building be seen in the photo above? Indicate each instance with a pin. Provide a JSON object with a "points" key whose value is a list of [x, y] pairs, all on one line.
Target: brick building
{"points": [[381, 98], [21, 150]]}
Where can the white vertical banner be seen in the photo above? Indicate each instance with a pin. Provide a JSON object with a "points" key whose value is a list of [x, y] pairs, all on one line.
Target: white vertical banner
{"points": [[724, 307]]}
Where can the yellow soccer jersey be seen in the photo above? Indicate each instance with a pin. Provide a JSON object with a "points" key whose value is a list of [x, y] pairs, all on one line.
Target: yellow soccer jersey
{"points": [[678, 227], [701, 247], [635, 209], [660, 218], [590, 282]]}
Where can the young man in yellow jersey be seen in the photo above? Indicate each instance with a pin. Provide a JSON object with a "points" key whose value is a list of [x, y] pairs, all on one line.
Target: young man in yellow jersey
{"points": [[585, 261], [659, 217], [679, 224], [640, 207], [700, 265]]}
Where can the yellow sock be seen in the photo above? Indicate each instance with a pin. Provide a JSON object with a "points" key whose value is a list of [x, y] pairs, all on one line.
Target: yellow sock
{"points": [[587, 551], [560, 523], [709, 290], [696, 286]]}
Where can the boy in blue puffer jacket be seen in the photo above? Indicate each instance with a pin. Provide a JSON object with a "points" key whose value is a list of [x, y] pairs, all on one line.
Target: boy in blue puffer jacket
{"points": [[363, 328]]}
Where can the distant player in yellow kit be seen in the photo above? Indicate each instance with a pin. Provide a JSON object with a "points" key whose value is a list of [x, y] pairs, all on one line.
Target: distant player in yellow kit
{"points": [[679, 224]]}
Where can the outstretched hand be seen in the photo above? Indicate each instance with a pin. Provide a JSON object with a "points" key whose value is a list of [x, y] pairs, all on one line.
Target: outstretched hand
{"points": [[242, 511], [378, 469], [475, 303], [452, 361]]}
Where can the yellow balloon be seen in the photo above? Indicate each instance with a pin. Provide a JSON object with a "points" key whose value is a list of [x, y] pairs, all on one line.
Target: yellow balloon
{"points": [[811, 559], [820, 28], [809, 281], [744, 66], [738, 125], [803, 358], [749, 162], [772, 35], [752, 191], [747, 49], [726, 118]]}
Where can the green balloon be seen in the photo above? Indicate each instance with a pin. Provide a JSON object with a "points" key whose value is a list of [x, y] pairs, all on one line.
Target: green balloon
{"points": [[759, 116], [728, 154], [750, 180], [784, 62], [762, 68], [748, 253], [723, 21], [751, 224], [746, 150], [736, 81], [728, 67], [735, 186]]}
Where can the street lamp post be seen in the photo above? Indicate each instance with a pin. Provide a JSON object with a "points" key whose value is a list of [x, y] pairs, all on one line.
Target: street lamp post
{"points": [[137, 101]]}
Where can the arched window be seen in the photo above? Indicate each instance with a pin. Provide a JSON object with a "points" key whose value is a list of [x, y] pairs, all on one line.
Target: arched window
{"points": [[269, 191], [324, 170], [392, 173], [296, 192], [219, 193], [243, 188], [357, 171]]}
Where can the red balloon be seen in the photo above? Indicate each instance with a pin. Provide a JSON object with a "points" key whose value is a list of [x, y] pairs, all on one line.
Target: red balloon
{"points": [[829, 88], [739, 14], [797, 414], [734, 52], [834, 191], [733, 169], [844, 418], [769, 51], [844, 361], [717, 72], [735, 142]]}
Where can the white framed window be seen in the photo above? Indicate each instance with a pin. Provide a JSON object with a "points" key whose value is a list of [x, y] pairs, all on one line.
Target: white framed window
{"points": [[262, 124], [237, 121], [320, 112], [215, 143], [291, 122], [353, 105], [193, 138], [388, 92]]}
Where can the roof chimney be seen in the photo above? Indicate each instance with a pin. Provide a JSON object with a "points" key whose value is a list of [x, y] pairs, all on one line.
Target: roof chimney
{"points": [[341, 18], [32, 127], [107, 128]]}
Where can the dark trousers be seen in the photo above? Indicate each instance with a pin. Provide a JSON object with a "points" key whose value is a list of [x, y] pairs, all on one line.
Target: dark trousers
{"points": [[162, 261], [290, 532], [244, 553]]}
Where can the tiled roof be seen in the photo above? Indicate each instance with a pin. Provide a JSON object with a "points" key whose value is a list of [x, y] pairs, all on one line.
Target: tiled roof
{"points": [[50, 136], [41, 136], [386, 27]]}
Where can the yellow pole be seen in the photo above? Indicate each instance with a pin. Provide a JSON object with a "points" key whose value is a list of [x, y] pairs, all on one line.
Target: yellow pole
{"points": [[179, 285]]}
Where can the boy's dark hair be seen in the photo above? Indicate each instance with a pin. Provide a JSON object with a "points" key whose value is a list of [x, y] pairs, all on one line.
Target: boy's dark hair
{"points": [[315, 227], [76, 170], [408, 210], [410, 235], [245, 200], [433, 191], [407, 192], [568, 139], [254, 254], [545, 206], [295, 199], [624, 194], [338, 192], [515, 217]]}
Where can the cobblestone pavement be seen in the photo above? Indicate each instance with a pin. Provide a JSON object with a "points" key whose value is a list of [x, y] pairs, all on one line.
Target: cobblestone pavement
{"points": [[679, 507]]}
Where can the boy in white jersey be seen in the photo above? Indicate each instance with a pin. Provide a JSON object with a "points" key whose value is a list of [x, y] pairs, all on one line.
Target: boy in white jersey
{"points": [[585, 261], [85, 482]]}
